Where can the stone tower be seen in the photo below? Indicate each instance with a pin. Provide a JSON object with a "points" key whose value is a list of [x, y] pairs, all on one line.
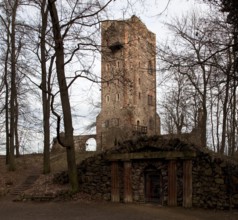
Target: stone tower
{"points": [[128, 91]]}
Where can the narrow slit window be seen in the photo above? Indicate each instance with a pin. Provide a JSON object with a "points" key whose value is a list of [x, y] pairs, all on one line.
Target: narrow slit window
{"points": [[150, 100], [107, 98], [150, 67], [117, 97]]}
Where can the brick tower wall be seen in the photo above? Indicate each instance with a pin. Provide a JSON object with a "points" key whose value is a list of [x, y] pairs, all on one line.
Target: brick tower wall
{"points": [[128, 71]]}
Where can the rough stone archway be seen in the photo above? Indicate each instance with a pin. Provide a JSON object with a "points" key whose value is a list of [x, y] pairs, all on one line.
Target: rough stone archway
{"points": [[91, 144], [81, 142]]}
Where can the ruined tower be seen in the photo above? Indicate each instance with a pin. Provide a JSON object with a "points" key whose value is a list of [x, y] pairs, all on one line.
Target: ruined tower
{"points": [[128, 91]]}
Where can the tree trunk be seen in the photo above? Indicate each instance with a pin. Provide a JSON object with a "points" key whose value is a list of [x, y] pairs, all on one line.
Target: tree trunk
{"points": [[225, 112], [204, 127], [234, 109], [7, 120], [67, 118], [13, 89], [17, 145], [45, 91], [7, 99], [233, 125]]}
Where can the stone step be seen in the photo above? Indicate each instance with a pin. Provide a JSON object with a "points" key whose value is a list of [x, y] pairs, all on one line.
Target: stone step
{"points": [[29, 181]]}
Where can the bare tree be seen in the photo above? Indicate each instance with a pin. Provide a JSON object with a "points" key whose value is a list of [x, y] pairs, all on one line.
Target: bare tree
{"points": [[187, 59], [17, 62], [175, 109], [202, 54], [45, 83], [60, 32], [6, 40], [13, 7]]}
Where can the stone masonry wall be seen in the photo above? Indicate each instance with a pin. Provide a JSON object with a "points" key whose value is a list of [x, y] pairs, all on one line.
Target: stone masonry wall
{"points": [[79, 143], [212, 187], [215, 182], [95, 177], [214, 179]]}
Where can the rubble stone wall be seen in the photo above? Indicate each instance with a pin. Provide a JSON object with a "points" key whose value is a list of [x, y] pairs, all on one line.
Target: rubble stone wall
{"points": [[95, 177], [214, 178], [215, 181]]}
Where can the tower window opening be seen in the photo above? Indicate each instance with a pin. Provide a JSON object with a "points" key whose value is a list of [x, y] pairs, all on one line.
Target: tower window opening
{"points": [[117, 97], [107, 98], [106, 123], [139, 81], [150, 100], [150, 69], [151, 124], [115, 46]]}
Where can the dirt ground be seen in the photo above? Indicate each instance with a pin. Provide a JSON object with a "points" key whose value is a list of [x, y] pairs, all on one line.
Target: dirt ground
{"points": [[73, 210]]}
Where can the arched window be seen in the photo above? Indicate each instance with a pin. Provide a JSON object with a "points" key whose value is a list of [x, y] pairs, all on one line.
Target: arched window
{"points": [[91, 144]]}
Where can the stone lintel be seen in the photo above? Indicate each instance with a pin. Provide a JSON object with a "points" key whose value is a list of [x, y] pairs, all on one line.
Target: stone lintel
{"points": [[168, 155]]}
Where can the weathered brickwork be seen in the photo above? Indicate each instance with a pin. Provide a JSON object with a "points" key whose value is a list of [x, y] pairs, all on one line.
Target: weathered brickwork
{"points": [[128, 93]]}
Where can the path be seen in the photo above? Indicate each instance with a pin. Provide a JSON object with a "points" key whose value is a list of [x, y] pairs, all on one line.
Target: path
{"points": [[30, 179], [102, 211], [26, 184]]}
